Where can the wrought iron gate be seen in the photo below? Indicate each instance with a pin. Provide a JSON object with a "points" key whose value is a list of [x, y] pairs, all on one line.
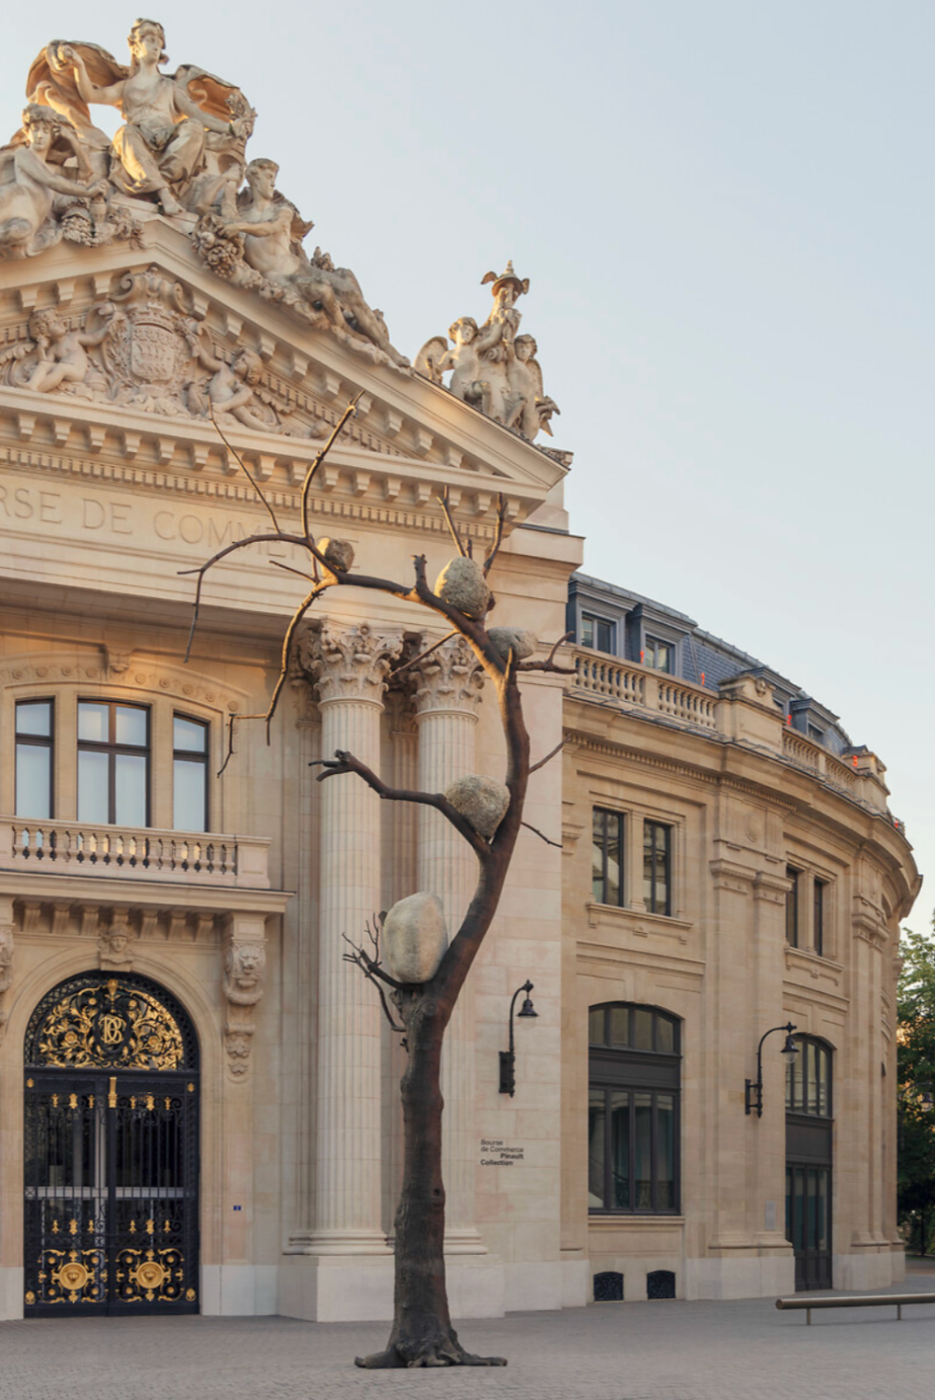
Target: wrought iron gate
{"points": [[111, 1151]]}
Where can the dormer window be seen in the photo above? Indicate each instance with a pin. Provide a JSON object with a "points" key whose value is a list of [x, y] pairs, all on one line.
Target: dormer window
{"points": [[660, 655], [597, 632]]}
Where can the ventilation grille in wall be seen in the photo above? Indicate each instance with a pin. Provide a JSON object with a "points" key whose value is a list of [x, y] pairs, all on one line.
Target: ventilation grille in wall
{"points": [[608, 1287], [660, 1284]]}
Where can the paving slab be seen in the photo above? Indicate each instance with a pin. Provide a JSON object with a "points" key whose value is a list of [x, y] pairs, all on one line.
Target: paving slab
{"points": [[665, 1350]]}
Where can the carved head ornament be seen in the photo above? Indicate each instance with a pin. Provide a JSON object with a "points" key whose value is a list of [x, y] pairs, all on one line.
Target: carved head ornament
{"points": [[139, 31], [507, 279]]}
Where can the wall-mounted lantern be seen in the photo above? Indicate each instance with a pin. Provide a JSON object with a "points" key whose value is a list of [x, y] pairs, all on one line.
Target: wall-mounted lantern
{"points": [[754, 1090], [508, 1057]]}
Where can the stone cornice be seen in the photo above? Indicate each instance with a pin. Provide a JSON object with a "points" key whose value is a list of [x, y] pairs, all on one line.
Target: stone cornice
{"points": [[771, 889], [638, 922], [589, 951], [713, 774], [402, 495], [730, 875]]}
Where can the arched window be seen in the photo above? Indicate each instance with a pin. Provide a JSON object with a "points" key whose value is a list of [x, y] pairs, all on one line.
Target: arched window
{"points": [[808, 1079], [633, 1109]]}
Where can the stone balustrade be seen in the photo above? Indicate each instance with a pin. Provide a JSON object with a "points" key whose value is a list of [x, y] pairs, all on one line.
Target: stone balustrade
{"points": [[607, 680], [131, 853]]}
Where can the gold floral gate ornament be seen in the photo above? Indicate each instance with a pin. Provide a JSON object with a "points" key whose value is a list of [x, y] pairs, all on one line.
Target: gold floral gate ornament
{"points": [[114, 1025], [111, 1150]]}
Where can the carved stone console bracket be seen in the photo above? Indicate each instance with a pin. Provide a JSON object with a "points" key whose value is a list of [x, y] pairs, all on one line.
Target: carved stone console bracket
{"points": [[244, 973]]}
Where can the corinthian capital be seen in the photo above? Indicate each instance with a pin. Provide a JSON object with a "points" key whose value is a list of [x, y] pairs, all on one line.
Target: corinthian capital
{"points": [[451, 678], [352, 663]]}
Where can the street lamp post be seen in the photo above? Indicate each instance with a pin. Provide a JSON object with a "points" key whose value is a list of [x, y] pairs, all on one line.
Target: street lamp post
{"points": [[753, 1098]]}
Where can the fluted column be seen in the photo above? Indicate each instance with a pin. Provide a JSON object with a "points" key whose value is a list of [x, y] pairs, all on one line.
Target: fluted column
{"points": [[351, 665], [447, 695]]}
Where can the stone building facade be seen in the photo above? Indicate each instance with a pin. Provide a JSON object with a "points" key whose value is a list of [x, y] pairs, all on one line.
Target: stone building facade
{"points": [[197, 1093], [731, 863]]}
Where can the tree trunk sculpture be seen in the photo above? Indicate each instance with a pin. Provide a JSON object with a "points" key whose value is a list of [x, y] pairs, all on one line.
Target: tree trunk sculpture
{"points": [[422, 1334]]}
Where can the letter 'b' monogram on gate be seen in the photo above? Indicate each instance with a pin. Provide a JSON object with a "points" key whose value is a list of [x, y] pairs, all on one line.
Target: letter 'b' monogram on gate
{"points": [[112, 1028]]}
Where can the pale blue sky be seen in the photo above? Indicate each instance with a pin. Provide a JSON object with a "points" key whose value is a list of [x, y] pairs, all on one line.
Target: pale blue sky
{"points": [[726, 211]]}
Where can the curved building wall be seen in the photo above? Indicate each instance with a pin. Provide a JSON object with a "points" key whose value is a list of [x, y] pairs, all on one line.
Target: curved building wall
{"points": [[787, 878]]}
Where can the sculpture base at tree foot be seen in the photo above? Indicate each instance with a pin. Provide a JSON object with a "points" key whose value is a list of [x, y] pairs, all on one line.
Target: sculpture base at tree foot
{"points": [[437, 1350]]}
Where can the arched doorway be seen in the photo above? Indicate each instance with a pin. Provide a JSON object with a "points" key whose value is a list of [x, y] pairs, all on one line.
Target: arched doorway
{"points": [[111, 1150]]}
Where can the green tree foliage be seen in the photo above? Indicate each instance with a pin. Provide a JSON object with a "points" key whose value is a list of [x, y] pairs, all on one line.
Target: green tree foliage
{"points": [[916, 1077]]}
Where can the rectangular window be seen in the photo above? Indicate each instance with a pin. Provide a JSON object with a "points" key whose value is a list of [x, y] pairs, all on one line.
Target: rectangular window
{"points": [[792, 908], [113, 763], [659, 654], [597, 632], [607, 857], [818, 917], [34, 754], [632, 1135], [657, 862], [596, 1149], [189, 774]]}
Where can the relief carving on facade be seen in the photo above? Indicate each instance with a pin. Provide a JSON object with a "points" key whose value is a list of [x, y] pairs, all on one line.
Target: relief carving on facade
{"points": [[115, 942], [147, 348], [493, 367], [244, 972], [6, 972]]}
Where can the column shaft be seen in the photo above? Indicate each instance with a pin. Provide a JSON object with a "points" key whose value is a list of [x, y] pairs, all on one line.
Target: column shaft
{"points": [[446, 705]]}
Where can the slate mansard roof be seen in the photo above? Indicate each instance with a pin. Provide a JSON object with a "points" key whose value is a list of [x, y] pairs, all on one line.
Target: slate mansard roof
{"points": [[699, 656]]}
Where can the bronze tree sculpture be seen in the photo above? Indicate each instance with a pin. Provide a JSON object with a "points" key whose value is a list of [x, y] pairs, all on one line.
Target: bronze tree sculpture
{"points": [[422, 1334]]}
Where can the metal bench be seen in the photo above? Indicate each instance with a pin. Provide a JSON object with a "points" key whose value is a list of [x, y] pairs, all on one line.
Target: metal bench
{"points": [[875, 1300]]}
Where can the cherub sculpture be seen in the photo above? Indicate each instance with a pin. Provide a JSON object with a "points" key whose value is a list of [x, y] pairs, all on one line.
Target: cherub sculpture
{"points": [[531, 409], [32, 185], [234, 389], [493, 367], [435, 359], [62, 352], [162, 144]]}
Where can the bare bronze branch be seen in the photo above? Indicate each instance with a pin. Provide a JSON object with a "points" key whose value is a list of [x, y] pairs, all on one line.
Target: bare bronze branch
{"points": [[549, 663], [320, 456], [498, 537], [344, 762], [444, 500], [243, 467], [551, 754], [541, 836], [398, 670]]}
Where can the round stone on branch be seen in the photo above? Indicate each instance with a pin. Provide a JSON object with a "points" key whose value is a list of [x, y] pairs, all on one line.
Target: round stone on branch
{"points": [[337, 554], [515, 639], [481, 801], [462, 584], [415, 937]]}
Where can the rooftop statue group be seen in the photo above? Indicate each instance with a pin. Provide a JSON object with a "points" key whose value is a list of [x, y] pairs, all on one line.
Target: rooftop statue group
{"points": [[181, 152], [492, 366]]}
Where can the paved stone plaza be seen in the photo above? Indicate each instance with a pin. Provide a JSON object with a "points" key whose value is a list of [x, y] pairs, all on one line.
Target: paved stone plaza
{"points": [[634, 1351]]}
